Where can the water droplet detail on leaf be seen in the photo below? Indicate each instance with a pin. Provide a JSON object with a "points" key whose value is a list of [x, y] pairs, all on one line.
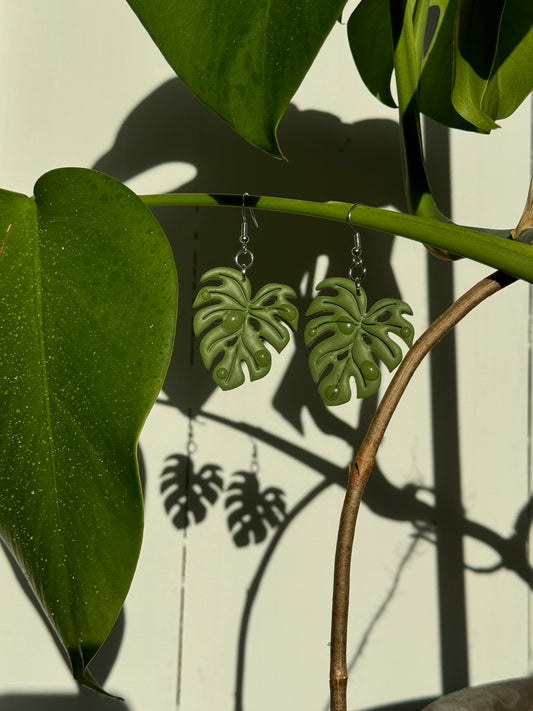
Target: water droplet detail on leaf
{"points": [[262, 358], [332, 393], [346, 327], [312, 332], [205, 294], [232, 321], [369, 370], [221, 373], [289, 311], [405, 332]]}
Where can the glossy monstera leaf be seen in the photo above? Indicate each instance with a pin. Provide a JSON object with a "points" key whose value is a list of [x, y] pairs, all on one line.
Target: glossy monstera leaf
{"points": [[493, 59], [370, 38], [88, 297], [234, 327], [479, 64], [344, 337], [244, 60]]}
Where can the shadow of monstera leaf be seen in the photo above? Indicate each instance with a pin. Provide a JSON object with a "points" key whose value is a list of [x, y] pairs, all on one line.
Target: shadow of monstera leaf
{"points": [[252, 511], [189, 493]]}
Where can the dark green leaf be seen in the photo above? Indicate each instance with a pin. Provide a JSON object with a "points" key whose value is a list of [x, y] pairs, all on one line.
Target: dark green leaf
{"points": [[493, 59], [235, 326], [370, 37], [244, 60], [371, 43], [476, 31], [88, 296], [344, 336], [436, 80], [478, 67]]}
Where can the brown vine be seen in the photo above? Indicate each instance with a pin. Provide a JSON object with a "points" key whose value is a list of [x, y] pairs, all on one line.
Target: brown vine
{"points": [[364, 461]]}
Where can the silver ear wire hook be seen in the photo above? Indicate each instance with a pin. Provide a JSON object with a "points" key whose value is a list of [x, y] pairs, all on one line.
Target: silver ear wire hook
{"points": [[244, 239], [357, 254], [243, 211]]}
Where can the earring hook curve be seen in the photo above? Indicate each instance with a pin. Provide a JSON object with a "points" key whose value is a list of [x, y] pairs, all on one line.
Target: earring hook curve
{"points": [[243, 210], [357, 238]]}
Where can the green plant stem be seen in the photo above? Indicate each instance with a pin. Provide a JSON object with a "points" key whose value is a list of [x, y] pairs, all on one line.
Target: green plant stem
{"points": [[364, 462], [407, 71], [507, 255]]}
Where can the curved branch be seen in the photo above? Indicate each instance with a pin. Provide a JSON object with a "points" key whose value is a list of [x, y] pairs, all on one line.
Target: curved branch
{"points": [[364, 461], [404, 504]]}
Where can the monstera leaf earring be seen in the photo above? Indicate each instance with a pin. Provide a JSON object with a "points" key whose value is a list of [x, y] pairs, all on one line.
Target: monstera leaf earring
{"points": [[234, 326], [345, 336]]}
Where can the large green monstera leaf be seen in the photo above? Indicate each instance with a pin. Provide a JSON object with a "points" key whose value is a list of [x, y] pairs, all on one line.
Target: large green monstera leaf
{"points": [[244, 60], [344, 336], [88, 298], [478, 67], [236, 327]]}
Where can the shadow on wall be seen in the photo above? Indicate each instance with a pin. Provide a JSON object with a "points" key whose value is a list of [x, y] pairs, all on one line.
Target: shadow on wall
{"points": [[327, 160], [85, 701]]}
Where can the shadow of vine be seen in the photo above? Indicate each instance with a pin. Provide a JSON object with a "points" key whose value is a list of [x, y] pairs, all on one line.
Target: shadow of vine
{"points": [[323, 152], [172, 125]]}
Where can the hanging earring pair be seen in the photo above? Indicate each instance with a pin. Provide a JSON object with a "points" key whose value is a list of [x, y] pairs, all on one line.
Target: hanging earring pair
{"points": [[234, 327], [346, 339]]}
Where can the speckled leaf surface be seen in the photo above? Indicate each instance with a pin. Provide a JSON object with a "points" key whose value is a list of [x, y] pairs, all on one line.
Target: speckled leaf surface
{"points": [[88, 299], [244, 60]]}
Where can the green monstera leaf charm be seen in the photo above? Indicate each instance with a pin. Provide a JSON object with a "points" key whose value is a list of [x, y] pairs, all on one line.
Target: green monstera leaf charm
{"points": [[234, 327], [344, 337]]}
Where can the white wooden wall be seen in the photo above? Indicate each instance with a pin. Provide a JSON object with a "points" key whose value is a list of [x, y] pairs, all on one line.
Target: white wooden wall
{"points": [[74, 75]]}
